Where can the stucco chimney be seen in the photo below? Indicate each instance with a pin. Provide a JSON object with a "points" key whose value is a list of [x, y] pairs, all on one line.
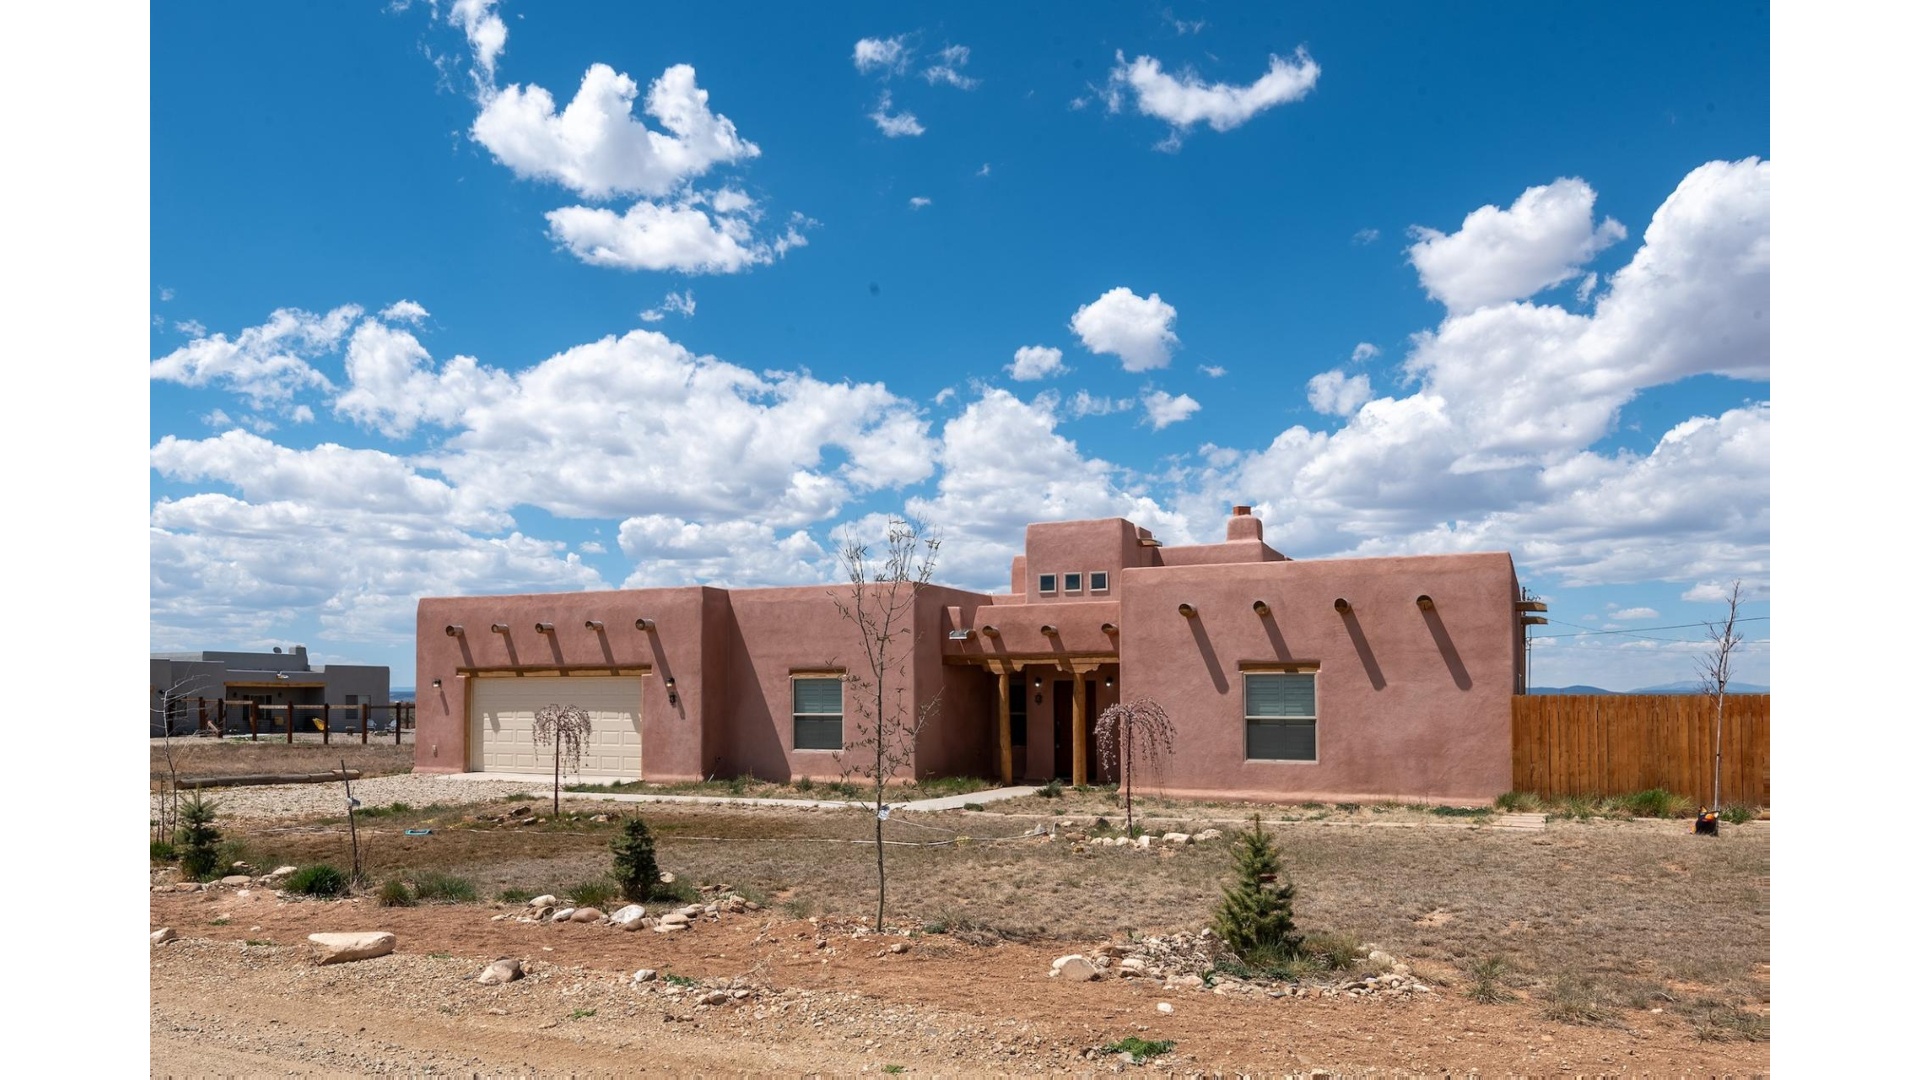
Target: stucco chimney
{"points": [[1243, 525]]}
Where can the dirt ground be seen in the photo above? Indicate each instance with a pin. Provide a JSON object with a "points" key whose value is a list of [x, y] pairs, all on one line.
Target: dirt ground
{"points": [[240, 994]]}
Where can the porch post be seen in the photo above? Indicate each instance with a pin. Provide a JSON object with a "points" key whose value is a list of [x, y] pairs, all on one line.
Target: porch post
{"points": [[1079, 730], [1006, 725]]}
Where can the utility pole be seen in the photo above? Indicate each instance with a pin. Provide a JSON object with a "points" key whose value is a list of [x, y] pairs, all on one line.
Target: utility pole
{"points": [[1533, 611]]}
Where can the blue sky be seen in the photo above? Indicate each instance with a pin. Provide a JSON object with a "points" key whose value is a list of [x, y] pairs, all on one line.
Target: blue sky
{"points": [[501, 298]]}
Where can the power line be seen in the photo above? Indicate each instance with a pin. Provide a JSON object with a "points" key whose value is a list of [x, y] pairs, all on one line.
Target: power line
{"points": [[1640, 630]]}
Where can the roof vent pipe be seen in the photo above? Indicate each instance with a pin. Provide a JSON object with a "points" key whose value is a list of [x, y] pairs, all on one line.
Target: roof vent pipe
{"points": [[1425, 602], [990, 631], [1109, 629], [543, 628], [499, 628], [1188, 610], [596, 625], [455, 630], [1050, 630], [1340, 605], [643, 624], [1261, 609]]}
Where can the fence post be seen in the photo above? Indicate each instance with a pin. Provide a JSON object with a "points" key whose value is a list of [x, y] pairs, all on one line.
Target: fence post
{"points": [[253, 718], [366, 715], [326, 724], [289, 723], [202, 702]]}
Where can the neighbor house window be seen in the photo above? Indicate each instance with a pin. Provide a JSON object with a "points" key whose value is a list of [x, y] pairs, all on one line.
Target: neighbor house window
{"points": [[1280, 716], [353, 699], [1073, 583], [1047, 583], [1097, 581], [817, 713]]}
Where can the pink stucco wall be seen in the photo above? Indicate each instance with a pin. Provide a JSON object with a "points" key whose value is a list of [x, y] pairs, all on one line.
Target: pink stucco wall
{"points": [[1412, 704]]}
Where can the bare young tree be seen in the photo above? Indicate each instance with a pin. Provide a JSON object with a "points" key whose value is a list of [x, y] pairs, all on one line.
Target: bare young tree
{"points": [[1128, 731], [1716, 670], [166, 793], [886, 726], [568, 729]]}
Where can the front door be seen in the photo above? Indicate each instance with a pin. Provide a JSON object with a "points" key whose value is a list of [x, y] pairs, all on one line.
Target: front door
{"points": [[1063, 729]]}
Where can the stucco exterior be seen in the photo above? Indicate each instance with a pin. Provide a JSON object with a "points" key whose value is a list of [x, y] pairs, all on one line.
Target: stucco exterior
{"points": [[1412, 673], [275, 679]]}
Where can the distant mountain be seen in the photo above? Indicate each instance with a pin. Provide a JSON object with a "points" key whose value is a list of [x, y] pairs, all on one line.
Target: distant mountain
{"points": [[1694, 688], [1663, 688]]}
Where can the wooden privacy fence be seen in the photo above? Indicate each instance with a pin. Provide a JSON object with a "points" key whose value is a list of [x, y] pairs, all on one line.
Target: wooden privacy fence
{"points": [[1617, 744]]}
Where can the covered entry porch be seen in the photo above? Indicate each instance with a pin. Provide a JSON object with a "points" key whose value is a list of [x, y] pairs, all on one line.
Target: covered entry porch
{"points": [[1042, 714]]}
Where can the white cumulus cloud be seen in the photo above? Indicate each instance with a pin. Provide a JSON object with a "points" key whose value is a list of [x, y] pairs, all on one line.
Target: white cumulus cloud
{"points": [[268, 363], [1338, 394], [1185, 99], [486, 32], [1163, 408], [881, 54], [947, 68], [1032, 362], [894, 125], [1120, 323], [597, 147], [1499, 255], [683, 235]]}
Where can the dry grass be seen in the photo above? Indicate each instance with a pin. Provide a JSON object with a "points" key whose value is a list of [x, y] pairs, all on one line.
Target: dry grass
{"points": [[1589, 920], [306, 754]]}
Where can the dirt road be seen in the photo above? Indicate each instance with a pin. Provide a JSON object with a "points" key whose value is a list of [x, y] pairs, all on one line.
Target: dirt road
{"points": [[792, 1004]]}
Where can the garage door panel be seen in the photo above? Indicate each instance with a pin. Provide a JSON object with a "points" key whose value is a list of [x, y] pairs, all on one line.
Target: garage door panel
{"points": [[502, 724]]}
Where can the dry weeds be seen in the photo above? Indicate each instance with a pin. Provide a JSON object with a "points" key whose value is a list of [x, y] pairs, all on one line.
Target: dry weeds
{"points": [[194, 756]]}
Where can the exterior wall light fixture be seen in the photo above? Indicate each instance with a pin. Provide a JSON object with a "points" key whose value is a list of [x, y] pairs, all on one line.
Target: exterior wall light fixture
{"points": [[1425, 602], [643, 624], [1261, 609], [499, 628], [1188, 610], [596, 625], [1340, 605], [1109, 682], [455, 630], [436, 684], [1050, 630], [673, 697], [959, 635], [543, 628]]}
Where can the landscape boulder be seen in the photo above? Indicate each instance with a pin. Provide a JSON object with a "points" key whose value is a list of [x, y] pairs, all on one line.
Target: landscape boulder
{"points": [[162, 935], [628, 918], [501, 971], [344, 948], [587, 914], [1073, 968]]}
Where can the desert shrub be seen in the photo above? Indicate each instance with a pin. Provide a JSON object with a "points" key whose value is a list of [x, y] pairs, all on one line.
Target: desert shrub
{"points": [[1519, 802], [1576, 999], [1656, 803], [593, 893], [1332, 952], [1049, 790], [431, 885], [1459, 811], [1738, 814], [1254, 917], [394, 893], [805, 783], [198, 840], [514, 895], [1139, 1047], [320, 879], [1488, 977], [635, 869], [1721, 1024], [162, 851]]}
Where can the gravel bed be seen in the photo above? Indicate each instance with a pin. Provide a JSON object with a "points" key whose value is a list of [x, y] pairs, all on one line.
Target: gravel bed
{"points": [[297, 800]]}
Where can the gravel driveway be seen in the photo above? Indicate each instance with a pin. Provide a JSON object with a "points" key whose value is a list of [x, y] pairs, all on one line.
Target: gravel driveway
{"points": [[294, 800]]}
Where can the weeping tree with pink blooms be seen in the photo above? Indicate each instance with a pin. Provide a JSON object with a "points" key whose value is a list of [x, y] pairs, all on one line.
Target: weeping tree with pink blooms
{"points": [[567, 728], [1133, 733]]}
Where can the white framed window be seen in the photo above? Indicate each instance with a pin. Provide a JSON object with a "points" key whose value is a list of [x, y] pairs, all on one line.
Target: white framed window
{"points": [[1072, 583], [1048, 583], [817, 712], [1097, 581], [1282, 724]]}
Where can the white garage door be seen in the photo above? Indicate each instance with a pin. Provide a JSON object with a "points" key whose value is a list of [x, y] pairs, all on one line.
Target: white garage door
{"points": [[502, 724]]}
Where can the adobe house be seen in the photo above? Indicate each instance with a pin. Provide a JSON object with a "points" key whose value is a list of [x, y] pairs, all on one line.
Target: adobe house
{"points": [[1374, 678], [184, 682]]}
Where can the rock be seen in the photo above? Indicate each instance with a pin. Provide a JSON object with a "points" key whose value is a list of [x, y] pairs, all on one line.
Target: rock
{"points": [[1165, 1007], [628, 918], [1186, 981], [690, 910], [645, 975], [162, 936], [587, 914], [665, 927], [1378, 957], [236, 879], [1143, 843], [1207, 834], [187, 886], [1133, 963], [501, 971], [715, 997], [344, 948], [1175, 838], [897, 947], [1074, 968], [545, 901], [666, 877], [282, 871], [674, 918], [565, 914]]}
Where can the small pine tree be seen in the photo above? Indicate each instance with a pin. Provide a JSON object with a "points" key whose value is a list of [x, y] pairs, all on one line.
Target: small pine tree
{"points": [[1255, 915], [198, 841], [634, 866]]}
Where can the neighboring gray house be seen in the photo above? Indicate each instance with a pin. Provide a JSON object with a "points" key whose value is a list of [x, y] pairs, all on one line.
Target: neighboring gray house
{"points": [[269, 679]]}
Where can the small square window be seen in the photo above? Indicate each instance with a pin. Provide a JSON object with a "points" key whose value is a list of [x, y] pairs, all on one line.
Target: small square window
{"points": [[1047, 583], [1097, 581], [1073, 583]]}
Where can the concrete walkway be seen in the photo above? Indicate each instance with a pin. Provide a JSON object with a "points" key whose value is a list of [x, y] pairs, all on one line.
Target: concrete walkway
{"points": [[945, 802]]}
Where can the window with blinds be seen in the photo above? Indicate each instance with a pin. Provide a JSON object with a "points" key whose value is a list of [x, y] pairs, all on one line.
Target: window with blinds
{"points": [[1280, 716], [817, 713]]}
